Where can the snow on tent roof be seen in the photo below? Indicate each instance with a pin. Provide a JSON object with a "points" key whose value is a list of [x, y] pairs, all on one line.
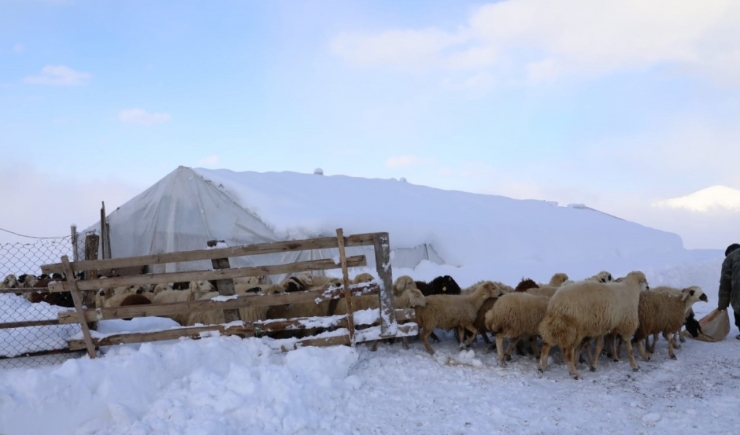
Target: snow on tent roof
{"points": [[190, 206]]}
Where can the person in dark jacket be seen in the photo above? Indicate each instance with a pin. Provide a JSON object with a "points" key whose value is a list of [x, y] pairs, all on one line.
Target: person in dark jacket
{"points": [[729, 283]]}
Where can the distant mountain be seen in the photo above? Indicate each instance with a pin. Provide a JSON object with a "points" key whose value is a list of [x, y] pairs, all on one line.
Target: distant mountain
{"points": [[711, 198]]}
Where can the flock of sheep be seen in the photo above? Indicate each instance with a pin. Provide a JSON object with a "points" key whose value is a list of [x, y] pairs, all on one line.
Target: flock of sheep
{"points": [[571, 315]]}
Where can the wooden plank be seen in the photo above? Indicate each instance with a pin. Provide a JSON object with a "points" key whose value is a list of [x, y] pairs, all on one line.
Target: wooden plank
{"points": [[382, 247], [147, 337], [102, 232], [372, 334], [95, 284], [67, 317], [322, 342], [29, 323], [208, 254], [22, 290], [77, 299], [248, 329], [347, 292]]}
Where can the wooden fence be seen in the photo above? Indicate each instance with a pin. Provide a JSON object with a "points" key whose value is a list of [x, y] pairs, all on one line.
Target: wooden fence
{"points": [[385, 326]]}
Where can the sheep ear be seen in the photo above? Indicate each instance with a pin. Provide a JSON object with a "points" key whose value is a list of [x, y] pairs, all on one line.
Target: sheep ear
{"points": [[685, 294]]}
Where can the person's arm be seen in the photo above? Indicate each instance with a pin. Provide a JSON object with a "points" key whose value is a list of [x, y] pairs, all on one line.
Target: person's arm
{"points": [[725, 285]]}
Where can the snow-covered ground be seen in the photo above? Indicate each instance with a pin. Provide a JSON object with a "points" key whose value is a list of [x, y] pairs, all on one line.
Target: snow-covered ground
{"points": [[226, 385]]}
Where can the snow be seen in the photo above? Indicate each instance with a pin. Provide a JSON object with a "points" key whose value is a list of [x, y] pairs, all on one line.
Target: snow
{"points": [[228, 385], [711, 198]]}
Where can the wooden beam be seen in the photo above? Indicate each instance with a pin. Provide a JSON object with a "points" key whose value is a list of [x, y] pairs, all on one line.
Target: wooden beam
{"points": [[347, 292], [251, 300], [28, 323], [209, 254], [77, 299], [95, 284], [92, 243], [248, 329], [382, 246], [225, 287]]}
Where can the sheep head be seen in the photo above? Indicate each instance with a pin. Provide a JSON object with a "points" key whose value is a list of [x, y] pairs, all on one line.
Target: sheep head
{"points": [[447, 284], [402, 284], [363, 277], [525, 284], [602, 277], [637, 278], [415, 298], [10, 281], [558, 279], [489, 289], [693, 294]]}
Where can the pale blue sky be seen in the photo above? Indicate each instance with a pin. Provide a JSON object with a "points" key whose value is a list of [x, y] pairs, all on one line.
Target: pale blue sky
{"points": [[613, 104]]}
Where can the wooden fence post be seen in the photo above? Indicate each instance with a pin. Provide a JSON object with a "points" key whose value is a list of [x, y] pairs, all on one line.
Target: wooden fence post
{"points": [[382, 246], [225, 287], [77, 299], [347, 291], [91, 253], [73, 232]]}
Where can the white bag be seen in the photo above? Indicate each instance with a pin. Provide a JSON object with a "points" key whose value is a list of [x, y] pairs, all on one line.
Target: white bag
{"points": [[714, 326]]}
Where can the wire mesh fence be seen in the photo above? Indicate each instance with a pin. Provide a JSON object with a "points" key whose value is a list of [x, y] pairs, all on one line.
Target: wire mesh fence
{"points": [[28, 333]]}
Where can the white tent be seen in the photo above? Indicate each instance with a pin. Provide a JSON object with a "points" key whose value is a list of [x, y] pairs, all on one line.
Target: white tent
{"points": [[185, 209], [498, 235]]}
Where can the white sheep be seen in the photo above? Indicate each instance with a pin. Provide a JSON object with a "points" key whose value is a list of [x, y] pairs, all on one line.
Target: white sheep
{"points": [[588, 309], [410, 298], [10, 281], [516, 316], [453, 311], [196, 289], [689, 312], [363, 277], [664, 312]]}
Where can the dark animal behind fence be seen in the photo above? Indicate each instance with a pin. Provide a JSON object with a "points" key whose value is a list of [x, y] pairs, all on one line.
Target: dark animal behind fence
{"points": [[441, 285]]}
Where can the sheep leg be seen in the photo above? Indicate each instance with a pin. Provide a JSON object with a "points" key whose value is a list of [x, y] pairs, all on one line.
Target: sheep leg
{"points": [[651, 347], [597, 351], [630, 353], [512, 345], [544, 354], [586, 344], [616, 348], [676, 344], [434, 337], [485, 337], [669, 339], [374, 346], [641, 349], [424, 336], [570, 359], [470, 339], [500, 349], [534, 345], [405, 342], [680, 337]]}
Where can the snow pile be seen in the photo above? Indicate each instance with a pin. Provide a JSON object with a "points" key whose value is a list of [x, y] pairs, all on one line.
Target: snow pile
{"points": [[465, 229], [216, 386]]}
